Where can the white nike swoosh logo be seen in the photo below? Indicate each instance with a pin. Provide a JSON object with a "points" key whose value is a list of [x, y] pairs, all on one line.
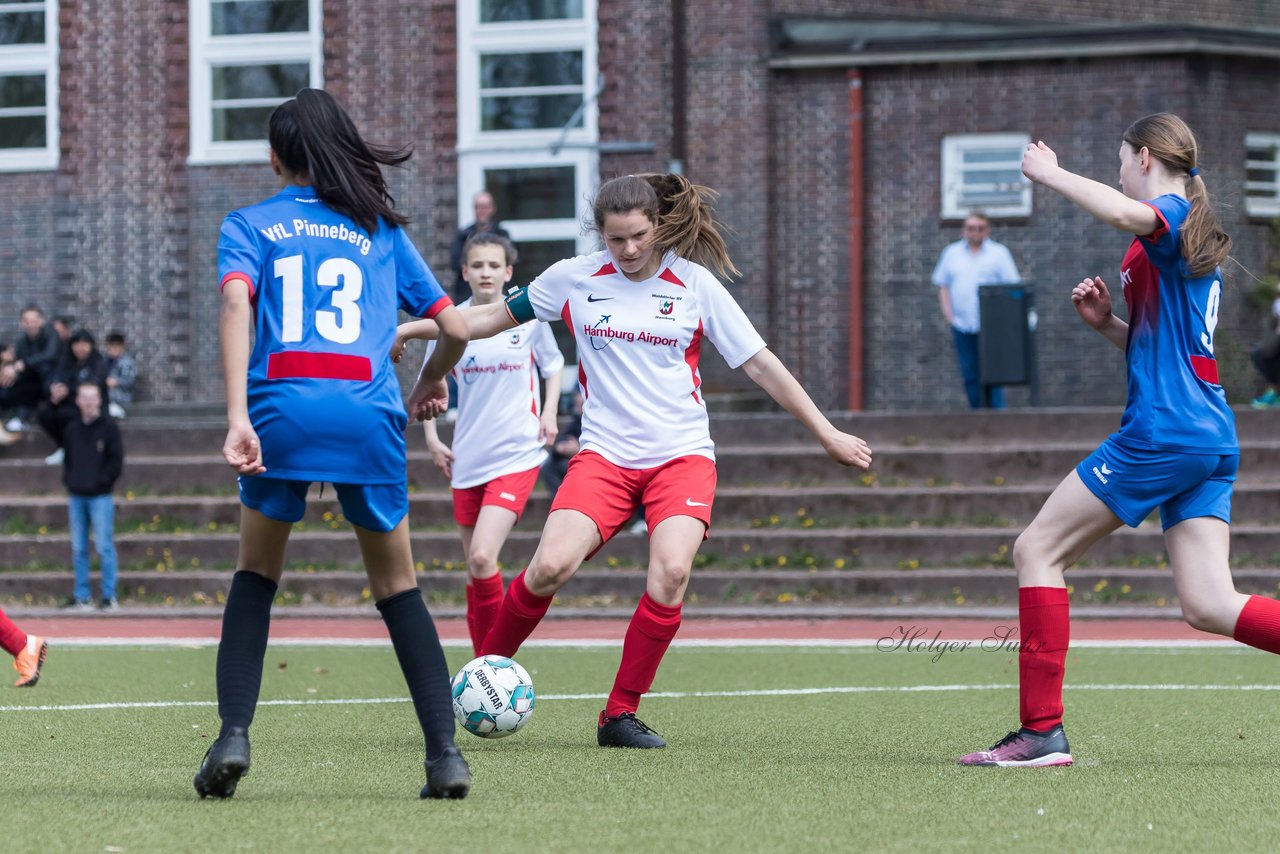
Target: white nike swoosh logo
{"points": [[507, 495], [690, 502]]}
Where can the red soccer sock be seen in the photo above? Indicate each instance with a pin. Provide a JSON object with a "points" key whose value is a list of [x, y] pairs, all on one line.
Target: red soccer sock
{"points": [[1259, 624], [519, 615], [1043, 614], [652, 627], [12, 638], [484, 597]]}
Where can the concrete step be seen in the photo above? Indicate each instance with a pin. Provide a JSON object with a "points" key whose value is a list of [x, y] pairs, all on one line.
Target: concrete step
{"points": [[795, 466], [729, 548], [167, 431], [604, 588], [768, 507]]}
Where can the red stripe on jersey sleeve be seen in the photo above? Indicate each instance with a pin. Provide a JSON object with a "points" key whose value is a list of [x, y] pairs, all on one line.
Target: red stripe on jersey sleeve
{"points": [[1162, 225], [230, 277], [1205, 368], [292, 364], [668, 276], [533, 388], [567, 317], [691, 354], [438, 306], [606, 270]]}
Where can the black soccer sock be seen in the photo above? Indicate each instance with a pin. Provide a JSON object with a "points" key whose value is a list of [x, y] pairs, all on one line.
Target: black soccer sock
{"points": [[413, 634], [245, 623]]}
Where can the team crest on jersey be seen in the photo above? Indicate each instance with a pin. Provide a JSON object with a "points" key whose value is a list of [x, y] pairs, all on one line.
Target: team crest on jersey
{"points": [[667, 306], [514, 340]]}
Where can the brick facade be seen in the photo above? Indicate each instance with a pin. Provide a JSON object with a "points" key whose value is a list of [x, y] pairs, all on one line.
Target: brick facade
{"points": [[122, 234]]}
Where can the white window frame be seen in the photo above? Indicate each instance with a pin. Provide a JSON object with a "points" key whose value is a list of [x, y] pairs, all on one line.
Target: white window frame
{"points": [[35, 59], [954, 146], [208, 51], [1266, 205], [476, 39], [479, 151], [586, 168]]}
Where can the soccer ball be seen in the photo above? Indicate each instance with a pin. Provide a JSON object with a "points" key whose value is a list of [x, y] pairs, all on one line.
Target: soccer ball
{"points": [[492, 697]]}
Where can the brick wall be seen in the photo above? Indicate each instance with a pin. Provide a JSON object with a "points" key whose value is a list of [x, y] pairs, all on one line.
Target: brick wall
{"points": [[123, 234]]}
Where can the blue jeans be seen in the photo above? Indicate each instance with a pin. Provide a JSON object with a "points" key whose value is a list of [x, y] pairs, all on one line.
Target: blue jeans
{"points": [[98, 511], [967, 356]]}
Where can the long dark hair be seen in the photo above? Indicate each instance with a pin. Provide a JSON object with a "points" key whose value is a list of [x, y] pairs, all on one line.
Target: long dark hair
{"points": [[681, 211], [313, 136], [1204, 244]]}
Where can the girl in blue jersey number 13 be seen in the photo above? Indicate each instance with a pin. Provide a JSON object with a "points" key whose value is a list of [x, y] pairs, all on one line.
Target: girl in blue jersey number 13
{"points": [[318, 272], [1176, 449]]}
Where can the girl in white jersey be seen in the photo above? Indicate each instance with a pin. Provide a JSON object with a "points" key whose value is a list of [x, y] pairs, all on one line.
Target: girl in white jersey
{"points": [[502, 431], [640, 309]]}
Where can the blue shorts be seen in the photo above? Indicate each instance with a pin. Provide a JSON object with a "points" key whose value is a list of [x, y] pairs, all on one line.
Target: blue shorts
{"points": [[373, 506], [1184, 486]]}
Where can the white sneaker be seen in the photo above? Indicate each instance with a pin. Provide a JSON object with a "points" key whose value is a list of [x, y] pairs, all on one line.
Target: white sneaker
{"points": [[56, 458], [15, 425], [639, 526], [115, 410]]}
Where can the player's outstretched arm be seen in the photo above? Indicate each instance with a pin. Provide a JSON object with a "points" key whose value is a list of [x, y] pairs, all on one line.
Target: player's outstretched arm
{"points": [[241, 449], [1092, 302], [422, 330], [482, 321], [430, 395], [1040, 164], [767, 371]]}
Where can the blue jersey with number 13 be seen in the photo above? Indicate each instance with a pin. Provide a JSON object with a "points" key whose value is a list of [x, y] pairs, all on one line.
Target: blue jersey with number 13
{"points": [[322, 391]]}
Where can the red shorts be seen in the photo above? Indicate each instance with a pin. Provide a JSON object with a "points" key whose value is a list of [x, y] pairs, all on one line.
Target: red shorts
{"points": [[609, 494], [510, 491]]}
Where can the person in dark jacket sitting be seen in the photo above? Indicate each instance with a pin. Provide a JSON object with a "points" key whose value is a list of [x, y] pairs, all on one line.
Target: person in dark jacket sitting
{"points": [[94, 460], [85, 364]]}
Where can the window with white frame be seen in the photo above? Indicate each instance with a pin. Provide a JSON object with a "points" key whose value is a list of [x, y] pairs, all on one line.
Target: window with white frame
{"points": [[1262, 174], [527, 123], [28, 85], [527, 119], [248, 57], [983, 171]]}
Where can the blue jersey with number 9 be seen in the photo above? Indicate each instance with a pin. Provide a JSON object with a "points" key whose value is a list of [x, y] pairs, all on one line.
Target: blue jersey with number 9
{"points": [[322, 390], [1175, 400]]}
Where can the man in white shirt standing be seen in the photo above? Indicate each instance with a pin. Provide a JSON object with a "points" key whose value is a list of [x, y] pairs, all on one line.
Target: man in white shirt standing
{"points": [[963, 267]]}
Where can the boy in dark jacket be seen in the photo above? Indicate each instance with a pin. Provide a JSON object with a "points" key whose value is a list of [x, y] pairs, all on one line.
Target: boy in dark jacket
{"points": [[94, 460]]}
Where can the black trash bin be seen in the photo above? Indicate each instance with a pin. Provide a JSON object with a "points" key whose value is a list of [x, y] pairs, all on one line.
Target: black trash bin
{"points": [[1006, 344]]}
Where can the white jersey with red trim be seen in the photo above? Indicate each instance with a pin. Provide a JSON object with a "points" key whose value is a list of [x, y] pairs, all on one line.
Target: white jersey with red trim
{"points": [[498, 403], [638, 350]]}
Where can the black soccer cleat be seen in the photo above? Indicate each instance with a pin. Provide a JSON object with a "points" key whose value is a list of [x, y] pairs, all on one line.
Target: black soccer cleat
{"points": [[626, 730], [447, 776], [224, 764]]}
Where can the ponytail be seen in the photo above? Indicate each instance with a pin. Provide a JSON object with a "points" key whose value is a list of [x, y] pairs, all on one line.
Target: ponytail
{"points": [[313, 136], [1204, 244], [1167, 138], [680, 210]]}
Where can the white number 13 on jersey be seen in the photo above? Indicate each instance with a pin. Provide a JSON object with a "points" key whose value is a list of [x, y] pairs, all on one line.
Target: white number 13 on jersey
{"points": [[341, 326], [1211, 314]]}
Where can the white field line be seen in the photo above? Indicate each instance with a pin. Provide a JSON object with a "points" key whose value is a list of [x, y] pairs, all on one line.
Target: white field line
{"points": [[738, 644], [664, 695]]}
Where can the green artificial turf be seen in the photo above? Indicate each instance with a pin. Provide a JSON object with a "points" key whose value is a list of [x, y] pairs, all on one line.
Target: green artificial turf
{"points": [[864, 770]]}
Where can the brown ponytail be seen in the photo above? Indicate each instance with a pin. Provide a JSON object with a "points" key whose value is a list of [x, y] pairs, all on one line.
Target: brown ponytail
{"points": [[1204, 244], [681, 211]]}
